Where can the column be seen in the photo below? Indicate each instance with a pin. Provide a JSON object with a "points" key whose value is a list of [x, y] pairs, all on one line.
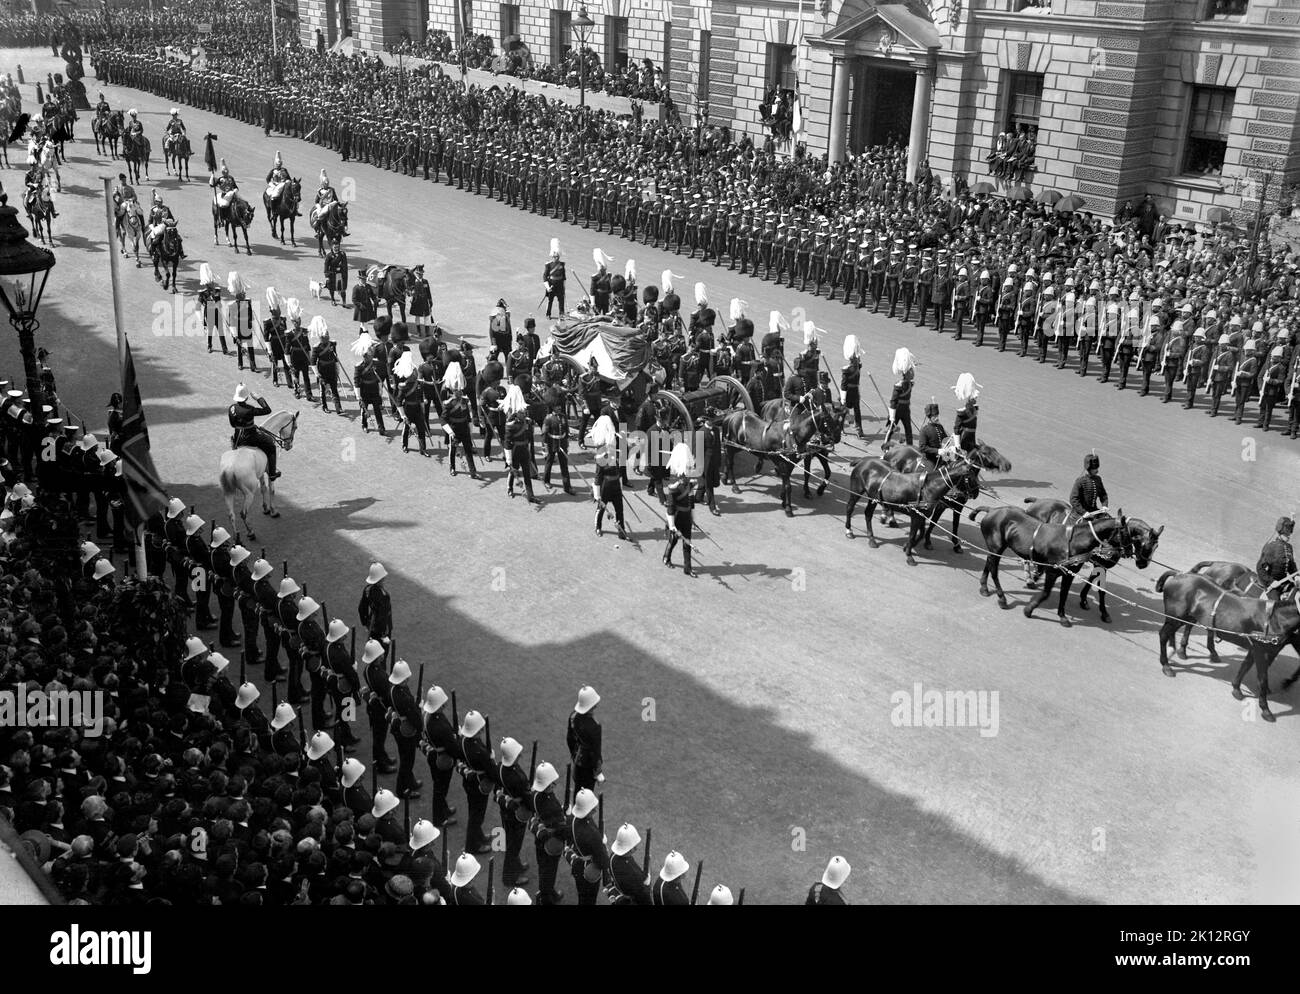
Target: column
{"points": [[839, 107], [920, 121]]}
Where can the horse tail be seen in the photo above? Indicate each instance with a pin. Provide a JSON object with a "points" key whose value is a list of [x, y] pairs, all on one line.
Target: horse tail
{"points": [[1160, 583], [976, 512]]}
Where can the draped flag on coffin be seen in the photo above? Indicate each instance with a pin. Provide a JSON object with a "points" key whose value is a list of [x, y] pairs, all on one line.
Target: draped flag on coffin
{"points": [[621, 352]]}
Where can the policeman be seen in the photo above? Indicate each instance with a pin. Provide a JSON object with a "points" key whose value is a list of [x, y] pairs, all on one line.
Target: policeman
{"points": [[1276, 565], [404, 721], [828, 889], [548, 831], [1088, 495], [588, 858]]}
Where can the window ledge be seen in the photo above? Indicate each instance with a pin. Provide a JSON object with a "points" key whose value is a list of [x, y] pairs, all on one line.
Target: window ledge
{"points": [[1210, 184]]}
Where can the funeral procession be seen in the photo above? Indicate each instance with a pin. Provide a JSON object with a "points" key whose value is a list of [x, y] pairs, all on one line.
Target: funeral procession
{"points": [[633, 483]]}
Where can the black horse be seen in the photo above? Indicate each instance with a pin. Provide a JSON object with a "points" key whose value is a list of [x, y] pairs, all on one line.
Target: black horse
{"points": [[107, 129], [167, 250], [392, 288], [176, 148], [816, 436], [284, 208], [921, 494], [909, 459], [330, 225], [239, 215]]}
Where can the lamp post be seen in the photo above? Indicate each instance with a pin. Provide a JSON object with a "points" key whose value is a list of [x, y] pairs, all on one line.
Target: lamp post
{"points": [[582, 28], [24, 268]]}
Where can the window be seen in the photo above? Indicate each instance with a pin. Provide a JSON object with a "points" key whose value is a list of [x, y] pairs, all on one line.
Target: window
{"points": [[1033, 6], [1024, 94], [1215, 9], [1207, 130], [561, 35], [616, 56], [780, 67], [509, 20]]}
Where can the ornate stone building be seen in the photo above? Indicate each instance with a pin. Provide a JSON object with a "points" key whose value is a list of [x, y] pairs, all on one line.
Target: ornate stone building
{"points": [[1191, 100]]}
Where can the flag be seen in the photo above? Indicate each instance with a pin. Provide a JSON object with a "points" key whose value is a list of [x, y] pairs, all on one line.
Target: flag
{"points": [[144, 492]]}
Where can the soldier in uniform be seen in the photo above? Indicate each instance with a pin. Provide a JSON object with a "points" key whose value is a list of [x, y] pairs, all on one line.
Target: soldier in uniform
{"points": [[355, 796], [667, 890], [900, 401], [555, 431], [600, 283], [1149, 352], [628, 885], [584, 740], [1027, 312], [1197, 357], [1276, 566], [513, 799], [924, 286], [910, 276], [1088, 495], [679, 497], [478, 777], [961, 295], [1110, 320], [1221, 373], [932, 435], [1006, 311], [1172, 359], [405, 722], [588, 857], [553, 279], [1273, 387], [221, 547], [1087, 328], [199, 567], [1293, 397], [828, 889], [547, 827], [985, 298], [378, 703]]}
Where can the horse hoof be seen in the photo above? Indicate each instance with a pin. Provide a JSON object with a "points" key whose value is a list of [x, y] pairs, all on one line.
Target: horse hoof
{"points": [[956, 547], [1267, 715], [875, 543], [1105, 618], [911, 560], [929, 547], [1181, 654], [1029, 612], [1066, 622], [735, 489], [1214, 658], [789, 512], [1032, 584], [985, 592], [848, 533], [1237, 694], [1167, 670], [275, 514]]}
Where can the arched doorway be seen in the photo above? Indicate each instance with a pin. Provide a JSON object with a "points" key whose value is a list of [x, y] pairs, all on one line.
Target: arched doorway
{"points": [[881, 104]]}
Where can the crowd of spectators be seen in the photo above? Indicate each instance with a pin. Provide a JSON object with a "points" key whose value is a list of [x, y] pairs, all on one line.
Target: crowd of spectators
{"points": [[175, 22]]}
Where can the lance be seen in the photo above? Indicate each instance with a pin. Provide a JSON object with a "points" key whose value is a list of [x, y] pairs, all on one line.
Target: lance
{"points": [[487, 730], [286, 567], [695, 891], [491, 888], [374, 779], [878, 393], [354, 646], [831, 374], [392, 652]]}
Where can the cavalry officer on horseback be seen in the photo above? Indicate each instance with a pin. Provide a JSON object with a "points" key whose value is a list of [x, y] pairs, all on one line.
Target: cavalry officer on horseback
{"points": [[326, 196], [134, 129], [276, 180], [160, 218], [174, 130], [1088, 495], [1276, 565], [932, 436], [245, 408], [124, 194], [37, 187], [102, 108], [223, 186]]}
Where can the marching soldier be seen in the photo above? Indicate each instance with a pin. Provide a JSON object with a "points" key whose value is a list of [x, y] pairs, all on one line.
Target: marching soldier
{"points": [[827, 890], [900, 401], [405, 722], [1244, 380], [588, 858], [850, 381], [1149, 352], [627, 884], [1006, 311]]}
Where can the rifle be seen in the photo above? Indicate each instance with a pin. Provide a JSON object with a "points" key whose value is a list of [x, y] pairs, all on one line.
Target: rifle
{"points": [[695, 891], [406, 814], [741, 899], [568, 773], [645, 856], [532, 764], [491, 879]]}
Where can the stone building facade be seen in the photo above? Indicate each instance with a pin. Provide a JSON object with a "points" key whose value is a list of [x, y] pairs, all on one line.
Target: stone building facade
{"points": [[1194, 101]]}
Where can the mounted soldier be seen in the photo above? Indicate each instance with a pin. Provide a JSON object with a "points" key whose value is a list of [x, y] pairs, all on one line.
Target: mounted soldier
{"points": [[276, 180]]}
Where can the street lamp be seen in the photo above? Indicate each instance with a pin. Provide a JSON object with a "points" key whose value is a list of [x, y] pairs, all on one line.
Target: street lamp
{"points": [[582, 28], [24, 269]]}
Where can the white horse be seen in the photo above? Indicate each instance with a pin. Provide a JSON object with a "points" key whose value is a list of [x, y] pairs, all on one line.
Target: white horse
{"points": [[243, 471], [44, 156]]}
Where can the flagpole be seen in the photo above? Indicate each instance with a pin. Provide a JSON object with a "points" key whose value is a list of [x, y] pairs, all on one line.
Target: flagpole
{"points": [[141, 563]]}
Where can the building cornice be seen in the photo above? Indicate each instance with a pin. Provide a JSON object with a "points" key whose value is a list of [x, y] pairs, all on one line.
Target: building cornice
{"points": [[1224, 30]]}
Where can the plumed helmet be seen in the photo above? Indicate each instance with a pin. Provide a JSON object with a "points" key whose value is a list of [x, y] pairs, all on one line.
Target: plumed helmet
{"points": [[777, 323], [293, 309], [966, 388], [629, 271], [600, 258], [318, 329], [701, 295], [809, 333], [666, 280], [1090, 461], [555, 248], [454, 377], [206, 276], [737, 310], [514, 402], [903, 361]]}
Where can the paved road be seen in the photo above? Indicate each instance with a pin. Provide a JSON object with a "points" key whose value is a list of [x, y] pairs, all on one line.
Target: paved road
{"points": [[769, 678]]}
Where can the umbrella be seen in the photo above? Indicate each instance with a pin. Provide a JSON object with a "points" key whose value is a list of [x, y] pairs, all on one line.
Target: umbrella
{"points": [[1019, 192], [1218, 215], [982, 189], [1070, 202], [1047, 196]]}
